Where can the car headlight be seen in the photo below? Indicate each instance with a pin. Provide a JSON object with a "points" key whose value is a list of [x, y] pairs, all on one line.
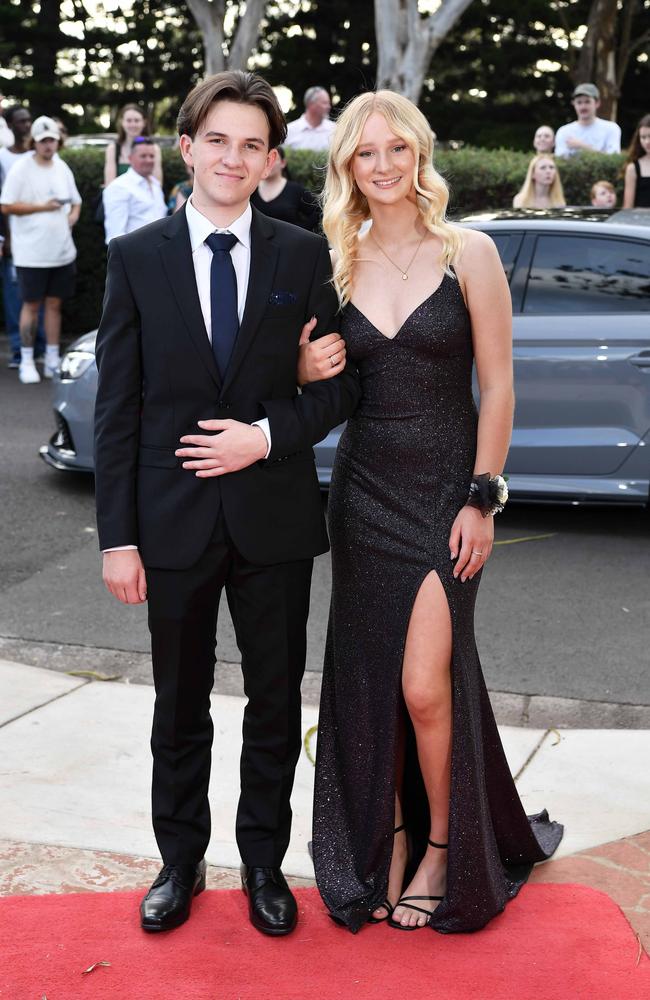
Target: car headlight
{"points": [[75, 363]]}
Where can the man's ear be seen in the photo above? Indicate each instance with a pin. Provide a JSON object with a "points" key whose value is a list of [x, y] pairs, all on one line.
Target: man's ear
{"points": [[270, 160], [185, 144]]}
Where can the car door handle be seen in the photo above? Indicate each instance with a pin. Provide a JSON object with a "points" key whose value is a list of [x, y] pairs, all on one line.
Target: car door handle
{"points": [[641, 360]]}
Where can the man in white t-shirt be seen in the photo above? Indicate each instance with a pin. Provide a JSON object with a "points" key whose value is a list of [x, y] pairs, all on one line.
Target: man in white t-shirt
{"points": [[587, 132], [43, 204], [313, 130], [135, 198], [19, 120]]}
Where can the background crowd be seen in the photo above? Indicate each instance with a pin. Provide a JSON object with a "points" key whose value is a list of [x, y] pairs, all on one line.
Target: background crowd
{"points": [[41, 203]]}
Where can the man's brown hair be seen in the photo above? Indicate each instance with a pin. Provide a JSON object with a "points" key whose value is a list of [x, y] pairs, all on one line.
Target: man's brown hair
{"points": [[240, 87]]}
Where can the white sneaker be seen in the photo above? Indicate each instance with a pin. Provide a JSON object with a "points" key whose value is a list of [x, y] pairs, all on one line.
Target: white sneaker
{"points": [[27, 373], [50, 368]]}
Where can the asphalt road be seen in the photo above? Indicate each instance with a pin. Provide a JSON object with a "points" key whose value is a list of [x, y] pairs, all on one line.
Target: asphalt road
{"points": [[563, 610]]}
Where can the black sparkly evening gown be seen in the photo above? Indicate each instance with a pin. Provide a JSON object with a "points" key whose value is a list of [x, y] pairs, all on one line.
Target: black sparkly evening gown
{"points": [[402, 472]]}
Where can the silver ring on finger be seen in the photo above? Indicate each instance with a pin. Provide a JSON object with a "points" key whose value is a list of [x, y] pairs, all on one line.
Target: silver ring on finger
{"points": [[333, 360], [476, 553]]}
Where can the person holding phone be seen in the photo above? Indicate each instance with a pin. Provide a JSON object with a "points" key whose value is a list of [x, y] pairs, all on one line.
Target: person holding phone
{"points": [[43, 204]]}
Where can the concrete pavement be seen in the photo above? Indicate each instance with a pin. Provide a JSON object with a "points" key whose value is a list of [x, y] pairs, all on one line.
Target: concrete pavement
{"points": [[75, 776]]}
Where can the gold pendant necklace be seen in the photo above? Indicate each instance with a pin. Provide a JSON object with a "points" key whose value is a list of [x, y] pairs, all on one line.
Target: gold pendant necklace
{"points": [[404, 273]]}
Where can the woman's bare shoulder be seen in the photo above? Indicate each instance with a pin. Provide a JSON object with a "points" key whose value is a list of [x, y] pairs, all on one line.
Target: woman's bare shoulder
{"points": [[477, 247]]}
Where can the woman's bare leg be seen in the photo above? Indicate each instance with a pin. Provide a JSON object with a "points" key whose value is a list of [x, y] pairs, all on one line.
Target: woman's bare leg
{"points": [[426, 682]]}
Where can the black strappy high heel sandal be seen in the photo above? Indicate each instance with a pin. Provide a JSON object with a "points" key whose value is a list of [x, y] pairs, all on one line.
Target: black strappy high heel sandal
{"points": [[410, 906], [387, 905]]}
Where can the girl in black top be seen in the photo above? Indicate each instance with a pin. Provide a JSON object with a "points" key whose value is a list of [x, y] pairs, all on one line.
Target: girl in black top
{"points": [[281, 198], [637, 170]]}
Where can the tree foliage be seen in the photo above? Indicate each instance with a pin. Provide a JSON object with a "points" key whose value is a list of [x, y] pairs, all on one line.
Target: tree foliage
{"points": [[504, 67], [510, 65], [327, 42]]}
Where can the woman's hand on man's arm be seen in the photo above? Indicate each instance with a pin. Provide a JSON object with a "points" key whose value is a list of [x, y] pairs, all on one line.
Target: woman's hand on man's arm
{"points": [[319, 359]]}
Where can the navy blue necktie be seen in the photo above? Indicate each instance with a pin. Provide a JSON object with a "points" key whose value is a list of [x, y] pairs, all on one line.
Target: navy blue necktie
{"points": [[223, 298]]}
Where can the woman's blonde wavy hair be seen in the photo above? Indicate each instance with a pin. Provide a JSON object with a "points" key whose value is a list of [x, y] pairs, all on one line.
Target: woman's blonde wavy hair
{"points": [[525, 197], [345, 208]]}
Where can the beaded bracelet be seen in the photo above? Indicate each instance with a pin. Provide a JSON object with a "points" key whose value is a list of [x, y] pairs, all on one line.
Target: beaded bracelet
{"points": [[488, 494]]}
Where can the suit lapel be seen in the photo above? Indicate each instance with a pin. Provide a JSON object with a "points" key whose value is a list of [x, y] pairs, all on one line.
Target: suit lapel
{"points": [[264, 257], [176, 254]]}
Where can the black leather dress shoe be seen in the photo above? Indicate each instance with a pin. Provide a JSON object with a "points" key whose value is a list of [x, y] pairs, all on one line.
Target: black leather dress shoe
{"points": [[271, 906], [169, 900]]}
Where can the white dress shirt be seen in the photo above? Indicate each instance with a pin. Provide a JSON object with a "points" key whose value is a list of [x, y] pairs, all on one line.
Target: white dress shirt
{"points": [[130, 202], [200, 227], [302, 135]]}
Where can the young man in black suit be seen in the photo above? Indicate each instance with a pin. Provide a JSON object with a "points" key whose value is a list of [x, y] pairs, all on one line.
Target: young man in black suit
{"points": [[205, 479]]}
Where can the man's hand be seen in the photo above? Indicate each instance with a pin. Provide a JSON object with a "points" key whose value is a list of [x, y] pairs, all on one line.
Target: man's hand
{"points": [[236, 447], [73, 215], [52, 205], [123, 575], [573, 143]]}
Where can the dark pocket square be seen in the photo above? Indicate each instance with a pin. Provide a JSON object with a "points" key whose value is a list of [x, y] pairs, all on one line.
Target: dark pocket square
{"points": [[282, 299]]}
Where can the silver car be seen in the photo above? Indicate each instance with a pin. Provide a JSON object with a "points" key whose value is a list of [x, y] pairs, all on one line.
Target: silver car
{"points": [[580, 285]]}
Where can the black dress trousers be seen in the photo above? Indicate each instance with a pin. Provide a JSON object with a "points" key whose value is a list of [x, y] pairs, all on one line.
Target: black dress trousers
{"points": [[269, 607]]}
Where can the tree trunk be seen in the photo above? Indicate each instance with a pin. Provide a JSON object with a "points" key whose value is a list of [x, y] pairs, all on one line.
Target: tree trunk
{"points": [[406, 41], [209, 16], [246, 34], [209, 19], [597, 62], [629, 43]]}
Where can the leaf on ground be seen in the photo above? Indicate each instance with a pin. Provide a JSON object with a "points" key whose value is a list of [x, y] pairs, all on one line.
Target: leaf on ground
{"points": [[94, 675], [307, 744], [91, 968]]}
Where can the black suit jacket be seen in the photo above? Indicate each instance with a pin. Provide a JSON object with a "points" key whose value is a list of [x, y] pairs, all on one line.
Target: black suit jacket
{"points": [[158, 377]]}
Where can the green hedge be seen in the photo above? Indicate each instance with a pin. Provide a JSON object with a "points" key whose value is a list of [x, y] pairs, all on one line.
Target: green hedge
{"points": [[479, 179], [482, 179]]}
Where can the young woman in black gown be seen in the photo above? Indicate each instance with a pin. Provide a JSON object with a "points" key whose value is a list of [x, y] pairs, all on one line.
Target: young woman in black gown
{"points": [[416, 817]]}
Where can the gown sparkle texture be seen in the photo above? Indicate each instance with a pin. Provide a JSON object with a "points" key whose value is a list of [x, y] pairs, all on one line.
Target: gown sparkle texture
{"points": [[402, 472]]}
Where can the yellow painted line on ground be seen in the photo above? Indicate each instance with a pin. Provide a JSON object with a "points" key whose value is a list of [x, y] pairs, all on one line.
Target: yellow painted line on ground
{"points": [[528, 538]]}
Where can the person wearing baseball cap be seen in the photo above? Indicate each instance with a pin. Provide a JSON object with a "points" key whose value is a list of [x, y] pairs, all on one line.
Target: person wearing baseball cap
{"points": [[19, 120], [45, 128], [43, 204], [587, 132]]}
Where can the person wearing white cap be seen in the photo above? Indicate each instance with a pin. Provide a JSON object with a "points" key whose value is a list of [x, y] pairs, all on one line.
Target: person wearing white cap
{"points": [[43, 204], [587, 133]]}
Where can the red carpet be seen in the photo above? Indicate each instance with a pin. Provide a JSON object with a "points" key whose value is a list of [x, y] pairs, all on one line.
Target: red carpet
{"points": [[554, 942]]}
